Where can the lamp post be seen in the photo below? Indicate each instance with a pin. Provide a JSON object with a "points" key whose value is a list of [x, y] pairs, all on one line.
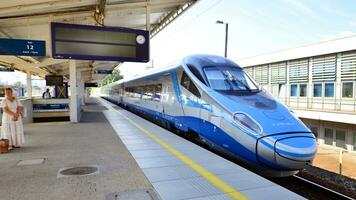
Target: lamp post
{"points": [[226, 34]]}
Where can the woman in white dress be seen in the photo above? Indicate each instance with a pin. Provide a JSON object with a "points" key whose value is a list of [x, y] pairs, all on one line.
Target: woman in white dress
{"points": [[12, 127]]}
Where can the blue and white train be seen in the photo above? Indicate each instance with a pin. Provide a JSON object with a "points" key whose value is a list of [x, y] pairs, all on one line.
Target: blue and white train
{"points": [[216, 100]]}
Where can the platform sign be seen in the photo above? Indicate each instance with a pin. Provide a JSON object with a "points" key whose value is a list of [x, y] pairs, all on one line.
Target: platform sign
{"points": [[18, 47], [73, 41], [6, 69]]}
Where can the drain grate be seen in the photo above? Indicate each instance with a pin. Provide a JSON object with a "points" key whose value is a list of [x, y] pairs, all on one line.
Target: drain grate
{"points": [[36, 161], [78, 171]]}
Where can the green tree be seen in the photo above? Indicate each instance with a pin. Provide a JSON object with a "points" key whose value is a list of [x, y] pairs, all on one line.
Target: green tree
{"points": [[18, 84], [114, 76]]}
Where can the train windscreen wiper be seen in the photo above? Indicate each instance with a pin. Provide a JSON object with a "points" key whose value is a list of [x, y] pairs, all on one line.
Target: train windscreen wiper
{"points": [[232, 80]]}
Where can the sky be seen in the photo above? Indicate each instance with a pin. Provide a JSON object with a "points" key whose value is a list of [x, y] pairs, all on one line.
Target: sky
{"points": [[255, 27]]}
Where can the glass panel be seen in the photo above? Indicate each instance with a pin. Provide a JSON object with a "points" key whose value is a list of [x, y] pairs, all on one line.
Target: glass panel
{"points": [[229, 79], [317, 89], [329, 89], [347, 90], [328, 136], [340, 138], [157, 94], [189, 85], [303, 90], [294, 90]]}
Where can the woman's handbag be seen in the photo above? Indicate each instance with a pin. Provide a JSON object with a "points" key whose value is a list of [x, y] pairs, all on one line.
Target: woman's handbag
{"points": [[4, 145]]}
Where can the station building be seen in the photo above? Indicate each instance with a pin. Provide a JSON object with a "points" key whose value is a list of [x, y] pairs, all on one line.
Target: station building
{"points": [[317, 82]]}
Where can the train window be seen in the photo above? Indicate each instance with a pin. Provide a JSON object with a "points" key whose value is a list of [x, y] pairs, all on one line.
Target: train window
{"points": [[147, 96], [229, 79], [147, 92], [189, 85], [196, 73], [157, 93]]}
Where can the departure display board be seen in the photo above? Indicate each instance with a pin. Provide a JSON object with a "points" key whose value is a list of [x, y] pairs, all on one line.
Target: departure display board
{"points": [[54, 80], [73, 41]]}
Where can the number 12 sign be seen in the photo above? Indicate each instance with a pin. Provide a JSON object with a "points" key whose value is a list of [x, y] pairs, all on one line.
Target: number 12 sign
{"points": [[22, 47]]}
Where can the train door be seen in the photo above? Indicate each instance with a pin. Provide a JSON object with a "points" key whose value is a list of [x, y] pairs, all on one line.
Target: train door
{"points": [[121, 95], [190, 98], [172, 109], [210, 121]]}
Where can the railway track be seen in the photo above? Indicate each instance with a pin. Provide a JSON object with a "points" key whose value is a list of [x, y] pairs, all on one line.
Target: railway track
{"points": [[309, 189]]}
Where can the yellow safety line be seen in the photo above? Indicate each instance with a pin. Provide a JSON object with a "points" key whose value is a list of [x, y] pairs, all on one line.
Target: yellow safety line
{"points": [[226, 188]]}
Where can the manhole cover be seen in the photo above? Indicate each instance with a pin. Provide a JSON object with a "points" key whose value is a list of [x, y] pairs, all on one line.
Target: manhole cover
{"points": [[78, 171]]}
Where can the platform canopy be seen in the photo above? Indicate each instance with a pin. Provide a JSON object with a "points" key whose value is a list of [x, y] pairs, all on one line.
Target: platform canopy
{"points": [[31, 20]]}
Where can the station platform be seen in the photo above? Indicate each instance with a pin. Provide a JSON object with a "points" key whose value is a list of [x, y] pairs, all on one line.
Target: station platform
{"points": [[92, 142], [136, 160]]}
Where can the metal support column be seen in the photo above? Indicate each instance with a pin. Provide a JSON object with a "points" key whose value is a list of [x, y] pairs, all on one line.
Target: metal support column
{"points": [[310, 87], [148, 13], [29, 85], [226, 37], [73, 92]]}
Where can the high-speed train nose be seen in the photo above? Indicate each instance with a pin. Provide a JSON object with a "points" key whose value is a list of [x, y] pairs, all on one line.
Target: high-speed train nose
{"points": [[295, 152], [287, 151]]}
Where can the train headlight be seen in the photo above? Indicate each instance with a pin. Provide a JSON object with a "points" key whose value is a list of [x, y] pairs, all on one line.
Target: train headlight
{"points": [[247, 122]]}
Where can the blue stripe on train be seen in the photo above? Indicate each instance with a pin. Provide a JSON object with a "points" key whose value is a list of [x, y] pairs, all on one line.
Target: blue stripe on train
{"points": [[193, 123]]}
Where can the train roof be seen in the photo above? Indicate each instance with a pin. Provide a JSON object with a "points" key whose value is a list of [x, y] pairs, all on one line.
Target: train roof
{"points": [[193, 62], [203, 60]]}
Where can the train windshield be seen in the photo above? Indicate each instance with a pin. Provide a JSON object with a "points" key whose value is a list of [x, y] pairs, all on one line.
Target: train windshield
{"points": [[229, 79]]}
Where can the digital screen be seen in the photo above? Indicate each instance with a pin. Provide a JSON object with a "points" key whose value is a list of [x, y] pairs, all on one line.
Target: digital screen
{"points": [[71, 41], [90, 84], [54, 80]]}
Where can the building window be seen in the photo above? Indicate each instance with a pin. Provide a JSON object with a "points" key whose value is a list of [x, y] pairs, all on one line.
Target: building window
{"points": [[317, 89], [329, 90], [315, 131], [303, 90], [347, 90], [340, 138], [294, 90], [275, 90], [328, 136], [282, 90]]}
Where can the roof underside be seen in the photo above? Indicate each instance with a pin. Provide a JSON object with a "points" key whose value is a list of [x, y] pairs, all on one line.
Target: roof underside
{"points": [[31, 19]]}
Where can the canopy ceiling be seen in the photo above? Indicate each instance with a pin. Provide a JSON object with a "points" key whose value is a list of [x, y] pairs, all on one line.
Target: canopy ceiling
{"points": [[31, 19]]}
